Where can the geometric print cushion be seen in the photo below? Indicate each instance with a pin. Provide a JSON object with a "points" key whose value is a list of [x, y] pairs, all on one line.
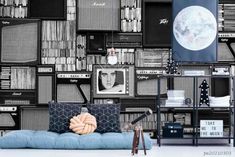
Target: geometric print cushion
{"points": [[60, 115], [107, 117]]}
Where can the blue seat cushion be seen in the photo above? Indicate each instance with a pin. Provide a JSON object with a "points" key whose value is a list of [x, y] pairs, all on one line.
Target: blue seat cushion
{"points": [[52, 140]]}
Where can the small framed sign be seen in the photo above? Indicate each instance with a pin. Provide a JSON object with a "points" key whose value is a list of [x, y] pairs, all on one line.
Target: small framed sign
{"points": [[211, 128]]}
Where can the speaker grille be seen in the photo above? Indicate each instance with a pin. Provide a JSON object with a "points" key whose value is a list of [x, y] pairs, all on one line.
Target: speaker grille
{"points": [[19, 43], [44, 89], [6, 120], [98, 15], [35, 118]]}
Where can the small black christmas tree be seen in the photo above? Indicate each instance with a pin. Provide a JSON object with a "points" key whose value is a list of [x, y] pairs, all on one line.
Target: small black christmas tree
{"points": [[172, 66], [204, 98]]}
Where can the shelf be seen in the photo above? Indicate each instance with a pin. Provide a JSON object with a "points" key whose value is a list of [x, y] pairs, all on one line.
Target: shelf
{"points": [[215, 137], [17, 90], [184, 137]]}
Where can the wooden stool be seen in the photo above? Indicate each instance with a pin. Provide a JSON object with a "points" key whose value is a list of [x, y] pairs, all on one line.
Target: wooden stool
{"points": [[138, 133]]}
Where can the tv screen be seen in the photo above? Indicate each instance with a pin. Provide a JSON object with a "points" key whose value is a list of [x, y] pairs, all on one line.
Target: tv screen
{"points": [[113, 81], [48, 9], [20, 40]]}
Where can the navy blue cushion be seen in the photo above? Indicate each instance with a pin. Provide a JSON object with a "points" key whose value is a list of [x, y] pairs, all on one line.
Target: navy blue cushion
{"points": [[107, 117], [60, 115]]}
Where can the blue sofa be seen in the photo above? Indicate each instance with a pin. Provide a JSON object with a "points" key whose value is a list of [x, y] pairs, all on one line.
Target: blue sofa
{"points": [[50, 140]]}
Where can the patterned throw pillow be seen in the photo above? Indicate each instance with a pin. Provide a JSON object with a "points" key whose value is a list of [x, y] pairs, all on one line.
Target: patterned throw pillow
{"points": [[107, 117], [60, 114]]}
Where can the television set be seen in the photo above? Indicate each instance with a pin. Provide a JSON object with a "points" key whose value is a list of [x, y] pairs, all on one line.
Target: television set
{"points": [[20, 41], [113, 81], [48, 9]]}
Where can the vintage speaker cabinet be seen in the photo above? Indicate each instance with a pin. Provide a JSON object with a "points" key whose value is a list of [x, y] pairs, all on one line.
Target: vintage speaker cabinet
{"points": [[226, 47], [12, 31], [101, 15], [34, 118], [9, 117], [18, 85], [73, 87], [45, 84], [48, 10], [157, 23], [146, 81], [95, 43]]}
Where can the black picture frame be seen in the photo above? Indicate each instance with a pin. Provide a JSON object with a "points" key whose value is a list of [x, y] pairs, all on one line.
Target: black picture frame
{"points": [[48, 9]]}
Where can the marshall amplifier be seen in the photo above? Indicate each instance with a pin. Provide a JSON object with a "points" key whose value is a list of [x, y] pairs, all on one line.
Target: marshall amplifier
{"points": [[73, 87], [18, 97], [98, 15], [9, 118], [146, 82], [127, 40], [46, 84]]}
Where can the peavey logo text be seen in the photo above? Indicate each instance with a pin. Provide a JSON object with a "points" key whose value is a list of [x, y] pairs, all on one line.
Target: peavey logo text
{"points": [[5, 22], [99, 4], [163, 21]]}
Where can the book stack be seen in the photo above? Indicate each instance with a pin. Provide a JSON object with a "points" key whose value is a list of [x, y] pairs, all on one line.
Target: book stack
{"points": [[219, 101], [13, 8], [71, 10], [95, 59], [226, 17], [58, 44], [131, 16], [23, 77], [175, 98], [151, 57], [18, 77], [5, 77], [81, 53], [125, 56]]}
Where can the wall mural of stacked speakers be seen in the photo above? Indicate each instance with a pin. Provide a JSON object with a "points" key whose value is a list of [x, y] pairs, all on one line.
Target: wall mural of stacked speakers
{"points": [[68, 50]]}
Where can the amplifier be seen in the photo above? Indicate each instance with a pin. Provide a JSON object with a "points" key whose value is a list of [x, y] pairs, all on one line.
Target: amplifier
{"points": [[73, 87], [95, 43], [98, 15], [9, 118], [18, 97], [34, 118], [157, 23], [152, 57], [127, 40], [146, 82], [226, 48], [46, 84]]}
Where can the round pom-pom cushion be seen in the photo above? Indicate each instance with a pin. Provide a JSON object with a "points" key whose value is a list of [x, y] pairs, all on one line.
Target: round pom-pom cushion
{"points": [[84, 123]]}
